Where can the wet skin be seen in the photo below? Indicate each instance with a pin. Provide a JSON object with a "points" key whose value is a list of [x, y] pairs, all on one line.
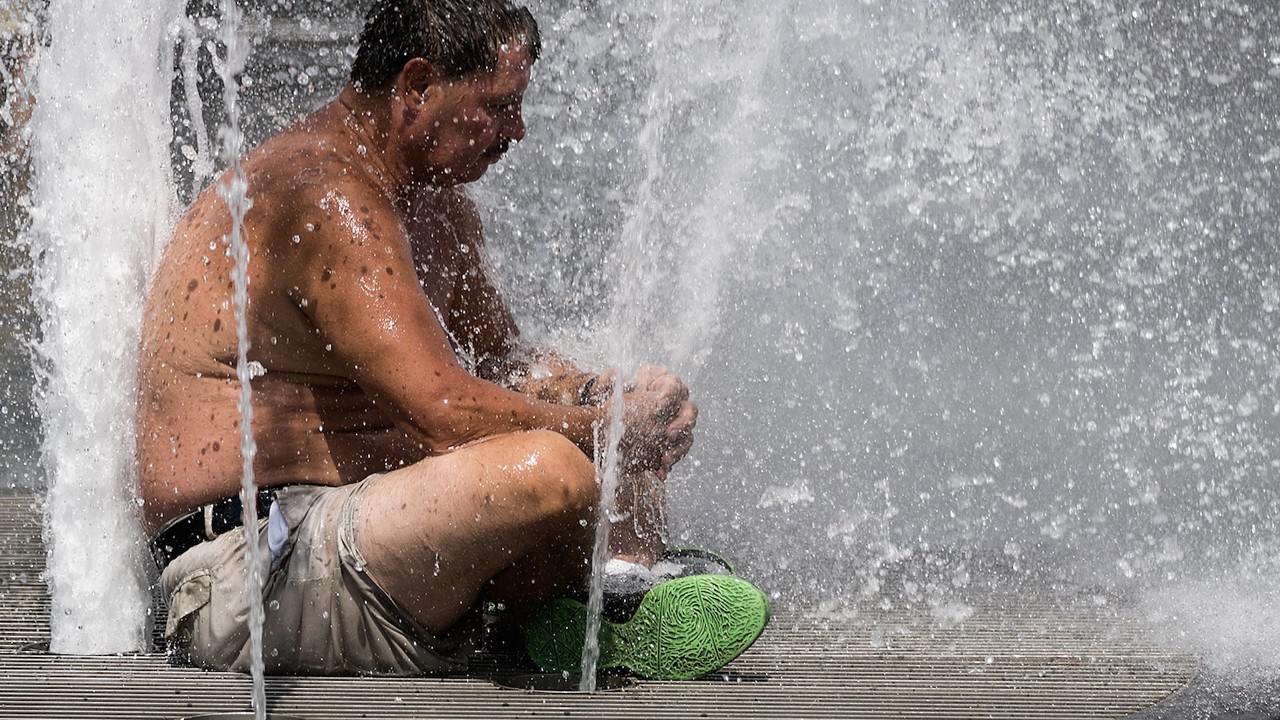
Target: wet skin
{"points": [[362, 243]]}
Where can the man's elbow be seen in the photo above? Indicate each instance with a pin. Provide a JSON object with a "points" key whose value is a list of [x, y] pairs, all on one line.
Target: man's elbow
{"points": [[450, 427]]}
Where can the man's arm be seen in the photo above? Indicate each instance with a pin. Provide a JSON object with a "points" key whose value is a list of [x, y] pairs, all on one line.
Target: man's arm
{"points": [[484, 325], [658, 418], [484, 322], [548, 376], [356, 283]]}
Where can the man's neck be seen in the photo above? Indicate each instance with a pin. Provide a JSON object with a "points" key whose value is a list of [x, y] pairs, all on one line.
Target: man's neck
{"points": [[368, 122]]}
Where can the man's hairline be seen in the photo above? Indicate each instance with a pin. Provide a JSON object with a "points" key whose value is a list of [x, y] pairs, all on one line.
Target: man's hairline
{"points": [[517, 43]]}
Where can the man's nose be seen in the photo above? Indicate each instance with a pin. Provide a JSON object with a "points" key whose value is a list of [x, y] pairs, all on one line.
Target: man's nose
{"points": [[513, 126]]}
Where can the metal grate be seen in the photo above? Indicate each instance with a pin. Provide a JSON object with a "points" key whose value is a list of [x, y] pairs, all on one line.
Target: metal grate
{"points": [[1015, 658]]}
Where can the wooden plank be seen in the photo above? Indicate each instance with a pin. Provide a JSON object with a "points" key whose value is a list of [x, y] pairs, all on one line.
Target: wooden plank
{"points": [[1015, 657]]}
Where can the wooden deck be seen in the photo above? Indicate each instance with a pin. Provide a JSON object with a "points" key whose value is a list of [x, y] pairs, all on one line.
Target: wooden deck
{"points": [[1013, 658]]}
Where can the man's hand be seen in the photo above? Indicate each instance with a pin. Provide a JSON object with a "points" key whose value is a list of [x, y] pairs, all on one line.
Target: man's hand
{"points": [[658, 421]]}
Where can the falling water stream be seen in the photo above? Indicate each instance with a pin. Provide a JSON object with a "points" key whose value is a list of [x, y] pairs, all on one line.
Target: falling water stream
{"points": [[101, 204], [633, 259], [608, 456], [234, 191]]}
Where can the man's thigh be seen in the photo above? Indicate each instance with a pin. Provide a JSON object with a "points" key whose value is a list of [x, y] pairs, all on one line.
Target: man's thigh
{"points": [[435, 533]]}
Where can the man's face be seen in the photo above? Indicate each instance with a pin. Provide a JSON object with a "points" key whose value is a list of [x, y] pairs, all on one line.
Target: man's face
{"points": [[470, 122]]}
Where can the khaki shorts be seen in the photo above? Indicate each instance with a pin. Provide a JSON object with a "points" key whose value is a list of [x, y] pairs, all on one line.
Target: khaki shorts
{"points": [[324, 614]]}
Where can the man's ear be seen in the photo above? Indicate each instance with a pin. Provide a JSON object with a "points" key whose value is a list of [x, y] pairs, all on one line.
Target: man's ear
{"points": [[416, 78]]}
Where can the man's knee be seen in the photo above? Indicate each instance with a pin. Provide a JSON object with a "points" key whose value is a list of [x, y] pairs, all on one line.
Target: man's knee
{"points": [[563, 480]]}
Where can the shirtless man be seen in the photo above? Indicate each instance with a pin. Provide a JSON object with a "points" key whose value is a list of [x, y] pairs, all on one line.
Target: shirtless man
{"points": [[423, 461]]}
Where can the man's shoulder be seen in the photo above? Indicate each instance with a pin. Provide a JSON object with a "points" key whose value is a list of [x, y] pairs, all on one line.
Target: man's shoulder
{"points": [[306, 158], [303, 164]]}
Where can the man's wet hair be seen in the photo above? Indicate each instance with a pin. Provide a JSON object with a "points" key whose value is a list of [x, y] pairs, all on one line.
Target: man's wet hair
{"points": [[459, 37]]}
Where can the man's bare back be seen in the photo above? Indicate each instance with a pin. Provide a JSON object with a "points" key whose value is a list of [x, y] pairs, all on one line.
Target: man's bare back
{"points": [[314, 424]]}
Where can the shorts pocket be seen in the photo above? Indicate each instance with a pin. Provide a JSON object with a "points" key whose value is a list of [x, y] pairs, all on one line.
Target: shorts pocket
{"points": [[192, 594]]}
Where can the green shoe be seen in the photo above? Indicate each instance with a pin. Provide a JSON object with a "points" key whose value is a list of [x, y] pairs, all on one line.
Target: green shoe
{"points": [[684, 628]]}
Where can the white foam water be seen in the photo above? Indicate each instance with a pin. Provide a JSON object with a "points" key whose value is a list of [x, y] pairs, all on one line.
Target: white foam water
{"points": [[102, 203]]}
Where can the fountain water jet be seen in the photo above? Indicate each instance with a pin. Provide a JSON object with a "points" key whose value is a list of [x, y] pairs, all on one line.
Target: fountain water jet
{"points": [[632, 257], [102, 203], [233, 190]]}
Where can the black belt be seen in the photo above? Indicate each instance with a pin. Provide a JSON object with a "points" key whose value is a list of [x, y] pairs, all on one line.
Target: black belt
{"points": [[203, 524]]}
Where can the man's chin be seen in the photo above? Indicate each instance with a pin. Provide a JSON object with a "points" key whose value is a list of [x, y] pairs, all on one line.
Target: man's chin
{"points": [[473, 174], [477, 171], [457, 177]]}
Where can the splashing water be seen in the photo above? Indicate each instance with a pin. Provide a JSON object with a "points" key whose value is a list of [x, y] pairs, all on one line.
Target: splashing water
{"points": [[632, 258], [974, 295]]}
